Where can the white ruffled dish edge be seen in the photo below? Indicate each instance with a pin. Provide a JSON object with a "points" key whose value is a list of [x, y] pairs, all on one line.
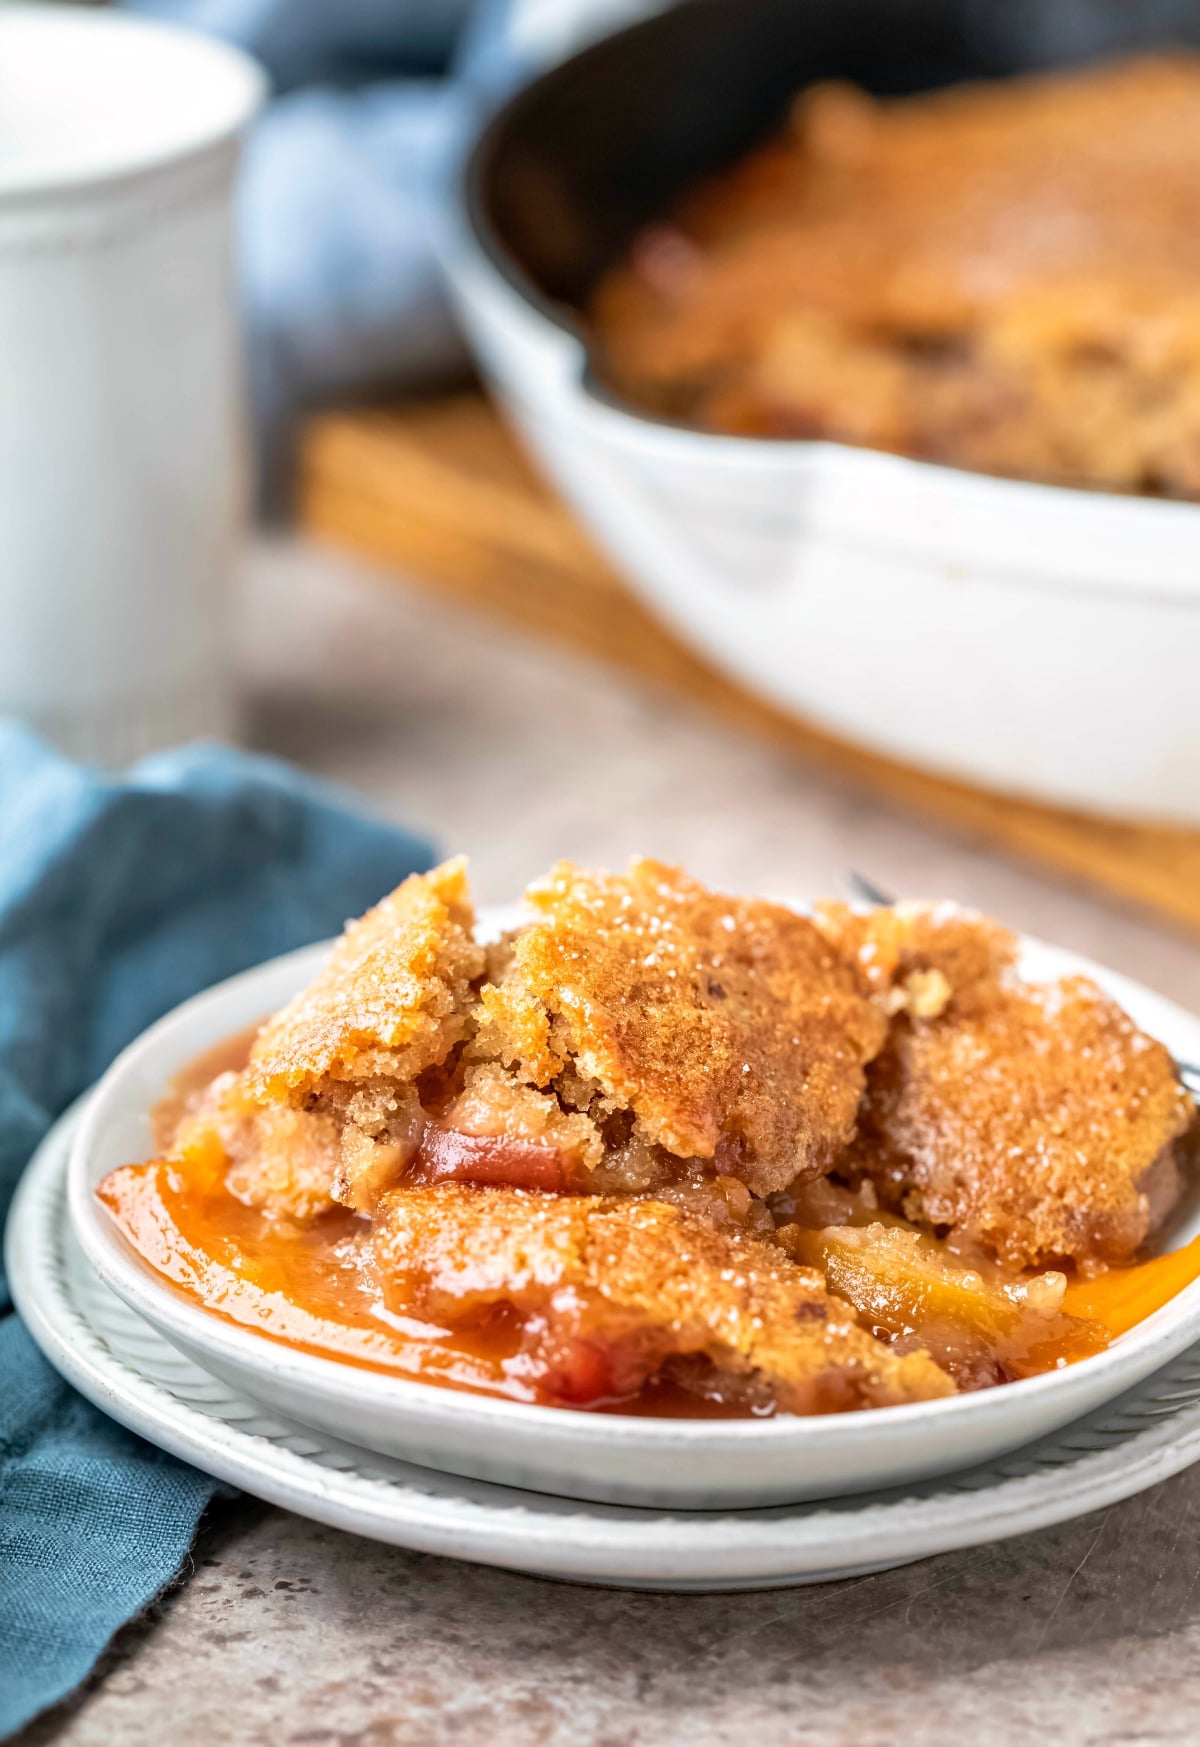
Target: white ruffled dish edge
{"points": [[612, 1458], [128, 1370]]}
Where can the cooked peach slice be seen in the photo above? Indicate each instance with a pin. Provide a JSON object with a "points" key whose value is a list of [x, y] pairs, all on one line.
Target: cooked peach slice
{"points": [[906, 1288]]}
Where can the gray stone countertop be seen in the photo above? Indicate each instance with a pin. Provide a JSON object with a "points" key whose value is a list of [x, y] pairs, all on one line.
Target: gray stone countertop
{"points": [[286, 1632]]}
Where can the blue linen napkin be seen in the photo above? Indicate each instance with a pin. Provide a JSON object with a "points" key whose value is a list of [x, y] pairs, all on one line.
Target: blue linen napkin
{"points": [[119, 897]]}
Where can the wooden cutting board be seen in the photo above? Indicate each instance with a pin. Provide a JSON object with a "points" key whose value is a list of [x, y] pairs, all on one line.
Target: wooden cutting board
{"points": [[440, 490]]}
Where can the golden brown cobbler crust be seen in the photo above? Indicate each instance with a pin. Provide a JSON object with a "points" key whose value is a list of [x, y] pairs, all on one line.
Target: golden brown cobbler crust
{"points": [[1039, 1122], [718, 1029], [669, 1042], [393, 999], [1036, 1120], [624, 1287], [906, 954], [728, 1026]]}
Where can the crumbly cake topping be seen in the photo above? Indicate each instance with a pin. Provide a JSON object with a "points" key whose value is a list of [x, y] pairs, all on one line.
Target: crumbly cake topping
{"points": [[644, 1037], [1038, 1121], [1001, 276], [728, 1026], [271, 1156], [612, 1290], [634, 1014], [919, 957], [393, 999]]}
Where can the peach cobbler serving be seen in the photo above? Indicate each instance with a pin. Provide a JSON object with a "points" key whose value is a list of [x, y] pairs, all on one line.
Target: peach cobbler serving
{"points": [[999, 276], [668, 1151]]}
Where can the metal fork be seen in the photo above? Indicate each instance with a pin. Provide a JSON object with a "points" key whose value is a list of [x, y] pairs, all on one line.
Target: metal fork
{"points": [[868, 892]]}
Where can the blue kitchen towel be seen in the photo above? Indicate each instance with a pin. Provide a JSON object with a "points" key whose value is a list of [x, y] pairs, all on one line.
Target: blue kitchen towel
{"points": [[119, 897]]}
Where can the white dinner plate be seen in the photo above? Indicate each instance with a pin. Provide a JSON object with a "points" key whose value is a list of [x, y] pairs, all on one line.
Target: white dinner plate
{"points": [[132, 1373], [611, 1457]]}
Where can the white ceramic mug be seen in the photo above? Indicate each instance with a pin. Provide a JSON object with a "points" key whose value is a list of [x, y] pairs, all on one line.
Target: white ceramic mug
{"points": [[122, 451]]}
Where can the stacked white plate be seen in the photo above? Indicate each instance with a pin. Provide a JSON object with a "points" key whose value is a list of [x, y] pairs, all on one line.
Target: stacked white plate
{"points": [[681, 1504]]}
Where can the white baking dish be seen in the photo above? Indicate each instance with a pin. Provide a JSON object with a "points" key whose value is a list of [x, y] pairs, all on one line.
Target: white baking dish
{"points": [[1031, 638]]}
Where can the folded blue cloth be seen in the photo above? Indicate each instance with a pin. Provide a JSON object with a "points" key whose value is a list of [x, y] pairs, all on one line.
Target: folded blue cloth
{"points": [[119, 897]]}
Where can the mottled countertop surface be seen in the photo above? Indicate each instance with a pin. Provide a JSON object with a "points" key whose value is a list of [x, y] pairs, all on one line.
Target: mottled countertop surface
{"points": [[289, 1633]]}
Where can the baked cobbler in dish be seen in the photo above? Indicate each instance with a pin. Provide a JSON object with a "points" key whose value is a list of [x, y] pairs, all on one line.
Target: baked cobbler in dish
{"points": [[1003, 277], [667, 1150]]}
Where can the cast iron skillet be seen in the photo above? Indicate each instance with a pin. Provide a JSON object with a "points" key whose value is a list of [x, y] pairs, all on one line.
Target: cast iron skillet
{"points": [[572, 165]]}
